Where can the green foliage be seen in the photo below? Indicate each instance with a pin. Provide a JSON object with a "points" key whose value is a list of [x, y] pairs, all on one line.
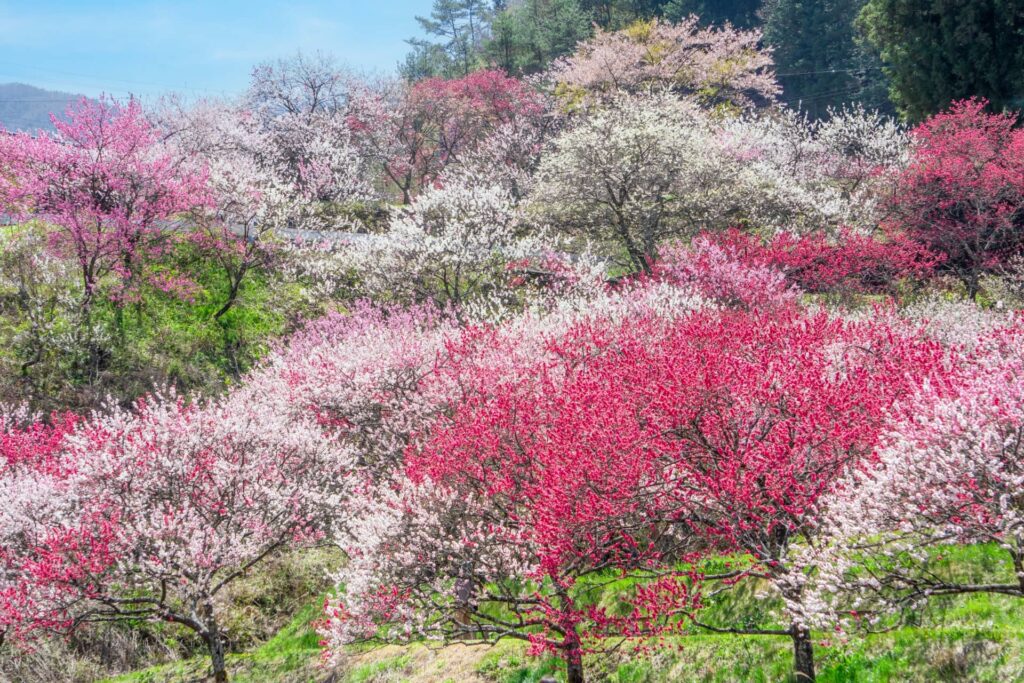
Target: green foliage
{"points": [[821, 64], [456, 28], [55, 357], [370, 672], [739, 13], [616, 14], [938, 51], [526, 38]]}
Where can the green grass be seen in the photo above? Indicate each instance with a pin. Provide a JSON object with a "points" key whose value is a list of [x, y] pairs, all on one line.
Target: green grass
{"points": [[992, 652], [293, 654], [977, 638]]}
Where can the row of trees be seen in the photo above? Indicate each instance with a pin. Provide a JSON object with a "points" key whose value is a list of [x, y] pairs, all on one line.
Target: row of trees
{"points": [[499, 481], [916, 55], [187, 206]]}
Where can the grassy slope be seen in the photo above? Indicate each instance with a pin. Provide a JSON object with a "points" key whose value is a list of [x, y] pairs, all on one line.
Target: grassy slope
{"points": [[911, 654], [977, 638]]}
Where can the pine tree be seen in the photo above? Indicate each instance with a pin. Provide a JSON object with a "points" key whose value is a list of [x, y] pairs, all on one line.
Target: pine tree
{"points": [[526, 38], [460, 26]]}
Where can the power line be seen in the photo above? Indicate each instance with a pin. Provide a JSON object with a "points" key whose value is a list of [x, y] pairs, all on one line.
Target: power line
{"points": [[822, 96], [829, 71]]}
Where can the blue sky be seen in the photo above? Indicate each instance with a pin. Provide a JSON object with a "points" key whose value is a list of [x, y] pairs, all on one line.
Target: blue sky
{"points": [[197, 47]]}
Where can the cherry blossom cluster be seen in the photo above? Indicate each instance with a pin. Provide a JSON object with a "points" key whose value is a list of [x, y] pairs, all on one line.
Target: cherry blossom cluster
{"points": [[450, 245], [948, 472], [148, 514], [718, 65], [413, 132]]}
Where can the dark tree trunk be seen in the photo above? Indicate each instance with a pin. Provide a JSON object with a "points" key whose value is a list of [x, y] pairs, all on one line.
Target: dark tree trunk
{"points": [[574, 671], [216, 644], [233, 288], [803, 654], [573, 659]]}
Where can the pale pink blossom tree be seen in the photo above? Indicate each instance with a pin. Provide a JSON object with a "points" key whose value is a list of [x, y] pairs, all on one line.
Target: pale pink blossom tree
{"points": [[413, 132], [714, 65], [949, 472], [156, 511], [271, 178]]}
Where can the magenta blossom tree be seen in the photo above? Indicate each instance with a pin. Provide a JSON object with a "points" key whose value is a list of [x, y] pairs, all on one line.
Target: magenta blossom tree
{"points": [[104, 183]]}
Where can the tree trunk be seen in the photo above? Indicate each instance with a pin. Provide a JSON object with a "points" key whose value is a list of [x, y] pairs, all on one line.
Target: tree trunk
{"points": [[215, 642], [803, 654], [216, 645], [573, 659], [574, 670]]}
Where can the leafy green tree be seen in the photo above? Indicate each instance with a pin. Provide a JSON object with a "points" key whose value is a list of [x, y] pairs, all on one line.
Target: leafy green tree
{"points": [[527, 37], [820, 63], [616, 14], [939, 51], [739, 13], [458, 28]]}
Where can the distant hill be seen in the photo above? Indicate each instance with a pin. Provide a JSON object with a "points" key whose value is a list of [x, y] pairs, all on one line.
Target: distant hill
{"points": [[25, 107]]}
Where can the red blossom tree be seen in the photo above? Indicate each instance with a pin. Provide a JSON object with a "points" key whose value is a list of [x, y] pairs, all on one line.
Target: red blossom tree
{"points": [[509, 526], [962, 196], [32, 474], [760, 416], [847, 262], [625, 448]]}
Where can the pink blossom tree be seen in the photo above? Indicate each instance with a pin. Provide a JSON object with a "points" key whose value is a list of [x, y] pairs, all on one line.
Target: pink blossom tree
{"points": [[270, 178], [719, 273], [105, 184], [948, 473], [414, 131], [111, 194]]}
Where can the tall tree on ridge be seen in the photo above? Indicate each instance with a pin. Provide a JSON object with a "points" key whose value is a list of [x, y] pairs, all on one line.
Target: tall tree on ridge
{"points": [[739, 13], [460, 26]]}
